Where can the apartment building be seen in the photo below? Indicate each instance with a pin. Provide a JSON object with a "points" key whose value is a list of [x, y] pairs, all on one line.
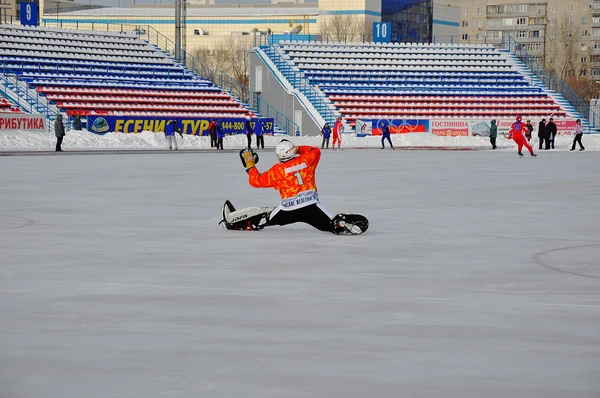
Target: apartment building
{"points": [[551, 31]]}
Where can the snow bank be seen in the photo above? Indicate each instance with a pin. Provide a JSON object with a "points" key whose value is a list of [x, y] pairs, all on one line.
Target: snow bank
{"points": [[43, 141]]}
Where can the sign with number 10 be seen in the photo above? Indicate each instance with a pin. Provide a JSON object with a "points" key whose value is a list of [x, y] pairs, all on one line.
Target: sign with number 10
{"points": [[382, 32]]}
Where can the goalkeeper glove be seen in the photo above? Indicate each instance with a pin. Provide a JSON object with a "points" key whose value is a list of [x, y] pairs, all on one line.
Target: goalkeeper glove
{"points": [[249, 158]]}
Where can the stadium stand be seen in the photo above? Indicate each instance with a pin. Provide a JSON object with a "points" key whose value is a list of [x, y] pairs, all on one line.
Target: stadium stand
{"points": [[109, 73], [408, 80], [7, 107]]}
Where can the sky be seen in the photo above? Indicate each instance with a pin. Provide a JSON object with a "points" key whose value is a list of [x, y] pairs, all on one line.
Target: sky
{"points": [[129, 3]]}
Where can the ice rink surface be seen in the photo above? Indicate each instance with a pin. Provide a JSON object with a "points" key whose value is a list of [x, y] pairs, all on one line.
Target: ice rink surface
{"points": [[479, 277]]}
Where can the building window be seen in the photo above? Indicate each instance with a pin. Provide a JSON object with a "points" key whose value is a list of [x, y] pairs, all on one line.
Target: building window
{"points": [[569, 33], [553, 35], [465, 11], [521, 34], [596, 45], [596, 32], [535, 33], [569, 7], [595, 71], [493, 23], [584, 47], [495, 34], [479, 23], [465, 36], [583, 59], [508, 21], [569, 20], [479, 10], [585, 6], [584, 20], [523, 8], [522, 21], [533, 46], [479, 36], [585, 33], [554, 7], [552, 21], [465, 24], [596, 18]]}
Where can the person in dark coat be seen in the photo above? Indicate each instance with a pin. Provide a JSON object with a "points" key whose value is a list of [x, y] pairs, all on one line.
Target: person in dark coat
{"points": [[542, 132], [385, 134], [77, 123], [326, 132], [550, 133], [530, 130], [59, 132], [493, 133], [249, 130], [220, 135]]}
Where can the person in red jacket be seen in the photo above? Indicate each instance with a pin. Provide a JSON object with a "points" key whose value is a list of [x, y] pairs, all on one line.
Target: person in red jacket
{"points": [[517, 133], [337, 133]]}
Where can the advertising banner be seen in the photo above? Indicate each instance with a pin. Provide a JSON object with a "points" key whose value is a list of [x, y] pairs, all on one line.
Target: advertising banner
{"points": [[188, 125], [20, 121], [400, 126], [450, 128]]}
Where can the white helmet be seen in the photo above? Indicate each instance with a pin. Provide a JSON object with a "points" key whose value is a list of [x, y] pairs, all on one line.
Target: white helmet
{"points": [[285, 150]]}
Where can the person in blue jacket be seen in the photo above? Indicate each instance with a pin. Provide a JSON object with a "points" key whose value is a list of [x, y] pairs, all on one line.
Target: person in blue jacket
{"points": [[326, 132], [170, 130], [260, 139], [385, 133], [220, 135]]}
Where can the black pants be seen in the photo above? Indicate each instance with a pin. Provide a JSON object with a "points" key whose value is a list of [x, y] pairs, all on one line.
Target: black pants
{"points": [[325, 143], [389, 140], [249, 140], [541, 138], [219, 143], [311, 214], [493, 142], [577, 139], [547, 138], [260, 142], [213, 140], [59, 143], [553, 137]]}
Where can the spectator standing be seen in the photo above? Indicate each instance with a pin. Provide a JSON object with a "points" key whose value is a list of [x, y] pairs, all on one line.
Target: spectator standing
{"points": [[170, 130], [529, 131], [493, 133], [212, 129], [326, 132], [550, 133], [260, 139], [77, 123], [385, 134], [249, 131], [59, 132], [578, 135], [220, 135], [542, 132]]}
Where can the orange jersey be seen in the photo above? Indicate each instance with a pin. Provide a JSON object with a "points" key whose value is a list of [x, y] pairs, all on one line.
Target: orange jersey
{"points": [[291, 178]]}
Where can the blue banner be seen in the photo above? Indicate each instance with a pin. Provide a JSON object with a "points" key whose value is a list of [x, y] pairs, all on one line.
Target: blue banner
{"points": [[187, 125]]}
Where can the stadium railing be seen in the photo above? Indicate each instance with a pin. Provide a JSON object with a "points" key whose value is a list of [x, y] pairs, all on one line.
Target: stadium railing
{"points": [[296, 78], [551, 81]]}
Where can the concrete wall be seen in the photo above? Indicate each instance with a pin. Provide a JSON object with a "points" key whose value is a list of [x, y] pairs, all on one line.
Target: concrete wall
{"points": [[446, 22], [276, 95]]}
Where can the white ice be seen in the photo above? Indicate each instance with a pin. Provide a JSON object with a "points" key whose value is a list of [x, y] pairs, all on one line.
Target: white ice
{"points": [[479, 277]]}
